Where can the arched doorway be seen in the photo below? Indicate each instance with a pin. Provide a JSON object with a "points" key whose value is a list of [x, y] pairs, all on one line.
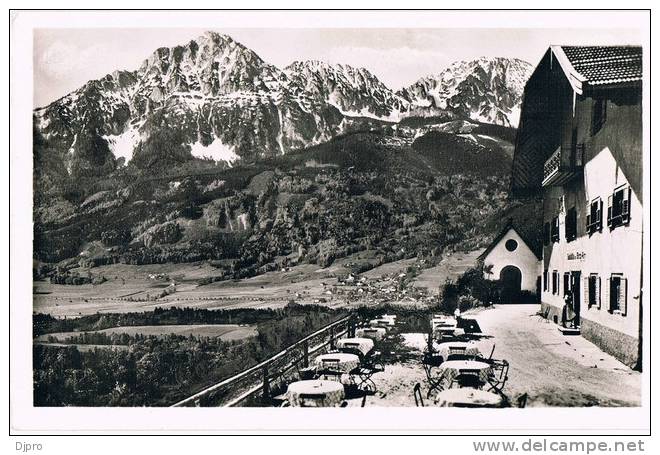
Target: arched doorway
{"points": [[510, 280]]}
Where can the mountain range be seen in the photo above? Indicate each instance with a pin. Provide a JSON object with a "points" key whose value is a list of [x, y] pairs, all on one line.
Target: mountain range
{"points": [[215, 98]]}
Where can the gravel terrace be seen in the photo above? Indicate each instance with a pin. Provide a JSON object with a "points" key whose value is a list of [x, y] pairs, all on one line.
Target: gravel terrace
{"points": [[553, 369]]}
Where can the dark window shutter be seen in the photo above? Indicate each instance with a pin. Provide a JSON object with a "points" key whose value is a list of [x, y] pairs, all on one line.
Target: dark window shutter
{"points": [[608, 290], [623, 296], [598, 293], [586, 295], [609, 210], [625, 206]]}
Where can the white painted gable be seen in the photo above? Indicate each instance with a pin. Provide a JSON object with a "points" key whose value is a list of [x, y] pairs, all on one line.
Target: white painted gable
{"points": [[522, 257]]}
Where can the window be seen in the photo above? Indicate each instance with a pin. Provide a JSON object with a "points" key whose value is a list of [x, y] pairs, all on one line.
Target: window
{"points": [[618, 207], [599, 115], [567, 283], [546, 233], [618, 298], [545, 280], [555, 282], [571, 224], [593, 290], [554, 230], [595, 216], [511, 245]]}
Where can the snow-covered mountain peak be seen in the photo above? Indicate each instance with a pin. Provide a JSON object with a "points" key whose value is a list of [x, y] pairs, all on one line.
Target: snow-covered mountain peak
{"points": [[487, 89], [213, 96]]}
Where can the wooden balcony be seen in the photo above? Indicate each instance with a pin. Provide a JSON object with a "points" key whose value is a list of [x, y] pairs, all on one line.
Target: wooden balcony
{"points": [[563, 164]]}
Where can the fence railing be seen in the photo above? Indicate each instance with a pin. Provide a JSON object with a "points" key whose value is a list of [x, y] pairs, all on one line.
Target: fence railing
{"points": [[262, 379]]}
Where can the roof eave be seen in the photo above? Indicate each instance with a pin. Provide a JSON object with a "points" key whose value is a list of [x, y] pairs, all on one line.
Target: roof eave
{"points": [[574, 78]]}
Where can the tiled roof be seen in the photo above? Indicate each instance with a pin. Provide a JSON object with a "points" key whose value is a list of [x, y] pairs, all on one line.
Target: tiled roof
{"points": [[606, 64]]}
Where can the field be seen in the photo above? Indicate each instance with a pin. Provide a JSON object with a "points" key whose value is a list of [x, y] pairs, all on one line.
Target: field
{"points": [[129, 287], [226, 332], [450, 267]]}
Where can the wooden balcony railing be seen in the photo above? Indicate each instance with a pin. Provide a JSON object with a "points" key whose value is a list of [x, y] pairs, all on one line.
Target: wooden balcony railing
{"points": [[258, 380], [552, 166], [563, 164]]}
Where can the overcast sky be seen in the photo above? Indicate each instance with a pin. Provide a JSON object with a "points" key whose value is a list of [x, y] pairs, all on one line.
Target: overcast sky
{"points": [[64, 59]]}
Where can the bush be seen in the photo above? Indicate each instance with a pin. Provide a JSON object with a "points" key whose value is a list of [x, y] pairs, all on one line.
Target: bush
{"points": [[470, 290], [467, 302], [449, 299], [473, 283]]}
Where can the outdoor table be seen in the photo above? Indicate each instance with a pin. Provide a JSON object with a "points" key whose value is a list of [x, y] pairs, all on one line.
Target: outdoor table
{"points": [[448, 332], [452, 368], [376, 333], [315, 394], [468, 398], [337, 361], [443, 320], [382, 322], [362, 345], [449, 348]]}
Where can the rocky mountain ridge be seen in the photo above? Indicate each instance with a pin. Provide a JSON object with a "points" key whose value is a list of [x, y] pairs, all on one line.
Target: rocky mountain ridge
{"points": [[215, 98]]}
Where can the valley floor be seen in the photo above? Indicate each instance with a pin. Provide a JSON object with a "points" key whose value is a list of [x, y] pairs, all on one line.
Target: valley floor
{"points": [[128, 287], [553, 369]]}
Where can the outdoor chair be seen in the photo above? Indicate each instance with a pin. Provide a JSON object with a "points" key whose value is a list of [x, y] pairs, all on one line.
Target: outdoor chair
{"points": [[522, 400], [370, 364], [311, 398], [306, 373], [430, 364], [492, 351], [499, 375], [467, 378], [417, 394], [280, 401], [364, 381], [543, 315], [459, 353], [432, 359]]}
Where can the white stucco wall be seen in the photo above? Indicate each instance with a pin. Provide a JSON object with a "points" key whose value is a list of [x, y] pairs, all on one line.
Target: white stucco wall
{"points": [[607, 252], [522, 257]]}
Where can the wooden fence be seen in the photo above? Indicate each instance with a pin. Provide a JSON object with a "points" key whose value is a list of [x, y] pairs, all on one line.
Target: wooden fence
{"points": [[265, 378]]}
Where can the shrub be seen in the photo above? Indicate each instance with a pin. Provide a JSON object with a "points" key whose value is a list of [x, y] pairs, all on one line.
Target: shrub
{"points": [[449, 299], [473, 283], [466, 302]]}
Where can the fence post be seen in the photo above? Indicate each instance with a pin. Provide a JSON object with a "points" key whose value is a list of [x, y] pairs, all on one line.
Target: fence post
{"points": [[265, 397], [305, 354], [351, 327]]}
